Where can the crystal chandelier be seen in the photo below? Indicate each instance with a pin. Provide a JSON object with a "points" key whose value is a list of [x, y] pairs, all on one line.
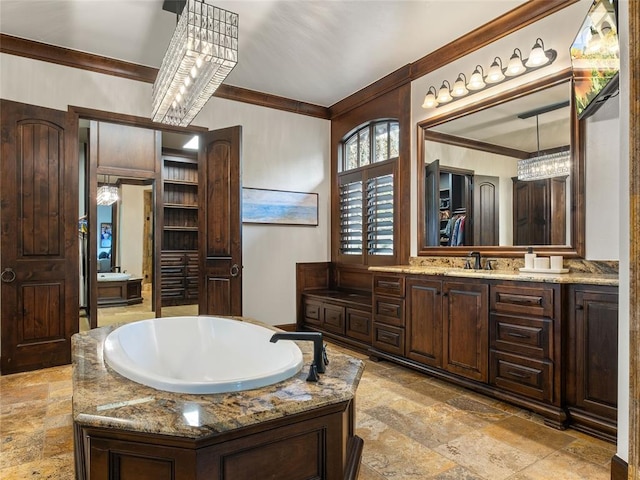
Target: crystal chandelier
{"points": [[107, 195], [545, 166], [202, 52]]}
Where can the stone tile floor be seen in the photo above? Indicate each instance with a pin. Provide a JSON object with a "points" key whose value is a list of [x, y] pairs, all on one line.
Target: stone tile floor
{"points": [[414, 427]]}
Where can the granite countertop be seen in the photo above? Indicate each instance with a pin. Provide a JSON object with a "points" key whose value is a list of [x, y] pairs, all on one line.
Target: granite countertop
{"points": [[593, 278], [103, 398]]}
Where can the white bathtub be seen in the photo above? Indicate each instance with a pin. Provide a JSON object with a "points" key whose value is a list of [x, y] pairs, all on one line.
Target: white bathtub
{"points": [[113, 277], [200, 354]]}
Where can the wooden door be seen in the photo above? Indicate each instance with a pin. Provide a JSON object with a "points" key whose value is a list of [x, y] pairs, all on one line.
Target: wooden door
{"points": [[466, 329], [39, 240], [424, 321], [486, 219], [220, 223]]}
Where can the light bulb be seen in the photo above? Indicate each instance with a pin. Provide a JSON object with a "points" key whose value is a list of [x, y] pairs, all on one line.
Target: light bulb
{"points": [[476, 82], [459, 89], [515, 66], [444, 95], [537, 57]]}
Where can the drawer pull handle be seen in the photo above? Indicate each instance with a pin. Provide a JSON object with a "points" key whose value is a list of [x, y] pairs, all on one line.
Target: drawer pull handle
{"points": [[387, 308], [520, 299], [517, 374], [387, 284], [579, 307], [517, 335]]}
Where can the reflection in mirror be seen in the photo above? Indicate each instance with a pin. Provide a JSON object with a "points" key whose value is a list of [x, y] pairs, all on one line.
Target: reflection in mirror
{"points": [[471, 194], [118, 240], [125, 250]]}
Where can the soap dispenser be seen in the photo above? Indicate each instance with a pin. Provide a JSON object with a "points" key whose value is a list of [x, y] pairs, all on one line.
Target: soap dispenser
{"points": [[529, 258]]}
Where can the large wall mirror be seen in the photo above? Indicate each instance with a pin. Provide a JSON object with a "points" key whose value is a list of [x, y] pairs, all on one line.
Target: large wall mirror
{"points": [[469, 193]]}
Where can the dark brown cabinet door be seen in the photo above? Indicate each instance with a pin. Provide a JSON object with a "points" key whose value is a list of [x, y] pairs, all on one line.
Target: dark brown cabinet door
{"points": [[39, 202], [592, 387], [466, 318], [539, 214], [220, 223], [424, 321]]}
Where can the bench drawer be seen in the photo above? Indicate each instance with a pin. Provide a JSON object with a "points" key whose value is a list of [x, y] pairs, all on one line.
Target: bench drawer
{"points": [[333, 320], [311, 312], [358, 325]]}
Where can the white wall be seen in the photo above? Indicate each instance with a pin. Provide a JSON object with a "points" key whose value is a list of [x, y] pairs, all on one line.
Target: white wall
{"points": [[622, 137], [280, 151], [130, 239]]}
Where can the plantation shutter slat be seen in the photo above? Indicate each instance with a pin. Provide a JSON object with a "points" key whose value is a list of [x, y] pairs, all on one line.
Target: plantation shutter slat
{"points": [[351, 234], [380, 215]]}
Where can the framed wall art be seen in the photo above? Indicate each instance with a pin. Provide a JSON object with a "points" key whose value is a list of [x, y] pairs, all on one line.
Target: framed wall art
{"points": [[279, 207]]}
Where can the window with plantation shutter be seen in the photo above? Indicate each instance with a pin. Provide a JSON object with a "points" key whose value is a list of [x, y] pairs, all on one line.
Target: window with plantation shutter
{"points": [[351, 217], [380, 215], [366, 197]]}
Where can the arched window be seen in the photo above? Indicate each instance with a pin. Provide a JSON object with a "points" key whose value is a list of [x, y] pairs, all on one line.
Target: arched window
{"points": [[367, 167]]}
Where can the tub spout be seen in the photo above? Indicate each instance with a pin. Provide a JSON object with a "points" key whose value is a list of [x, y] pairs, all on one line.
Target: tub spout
{"points": [[315, 337]]}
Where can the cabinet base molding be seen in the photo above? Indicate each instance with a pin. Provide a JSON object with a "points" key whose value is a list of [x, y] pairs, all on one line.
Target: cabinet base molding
{"points": [[554, 417], [619, 468], [598, 427]]}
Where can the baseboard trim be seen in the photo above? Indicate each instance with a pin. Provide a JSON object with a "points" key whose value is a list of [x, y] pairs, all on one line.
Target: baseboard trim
{"points": [[619, 468]]}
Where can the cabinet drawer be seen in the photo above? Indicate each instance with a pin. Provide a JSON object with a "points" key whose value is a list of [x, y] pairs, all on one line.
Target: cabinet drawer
{"points": [[523, 335], [389, 339], [311, 312], [358, 325], [388, 285], [531, 378], [333, 320], [537, 301], [389, 310]]}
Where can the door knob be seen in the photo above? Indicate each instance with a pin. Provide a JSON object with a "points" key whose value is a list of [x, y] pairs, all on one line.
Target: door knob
{"points": [[8, 275]]}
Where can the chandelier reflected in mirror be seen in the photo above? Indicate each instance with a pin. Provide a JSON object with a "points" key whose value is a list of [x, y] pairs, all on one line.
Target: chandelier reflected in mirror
{"points": [[202, 52]]}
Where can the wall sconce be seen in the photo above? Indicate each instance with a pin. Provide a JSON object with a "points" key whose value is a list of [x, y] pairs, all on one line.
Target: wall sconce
{"points": [[497, 73], [444, 94], [430, 98], [459, 86], [476, 82]]}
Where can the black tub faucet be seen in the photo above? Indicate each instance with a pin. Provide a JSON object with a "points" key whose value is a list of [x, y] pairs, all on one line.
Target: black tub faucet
{"points": [[315, 337]]}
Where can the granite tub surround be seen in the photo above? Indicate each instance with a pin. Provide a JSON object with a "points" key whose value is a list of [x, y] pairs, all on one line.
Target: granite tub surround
{"points": [[103, 398], [580, 271]]}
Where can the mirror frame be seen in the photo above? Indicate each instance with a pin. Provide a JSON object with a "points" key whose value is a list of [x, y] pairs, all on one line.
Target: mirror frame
{"points": [[576, 247]]}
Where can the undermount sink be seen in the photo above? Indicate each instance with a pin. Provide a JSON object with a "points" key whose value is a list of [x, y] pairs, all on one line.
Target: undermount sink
{"points": [[200, 354]]}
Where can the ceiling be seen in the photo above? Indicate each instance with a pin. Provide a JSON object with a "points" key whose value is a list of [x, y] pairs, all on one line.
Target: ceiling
{"points": [[308, 50]]}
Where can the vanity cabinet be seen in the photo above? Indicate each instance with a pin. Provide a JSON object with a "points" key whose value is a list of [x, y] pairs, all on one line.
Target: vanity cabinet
{"points": [[465, 329], [445, 327], [424, 320], [592, 359], [388, 314], [525, 341]]}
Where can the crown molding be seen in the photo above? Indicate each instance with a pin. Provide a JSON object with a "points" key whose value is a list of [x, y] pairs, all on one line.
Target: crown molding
{"points": [[95, 63]]}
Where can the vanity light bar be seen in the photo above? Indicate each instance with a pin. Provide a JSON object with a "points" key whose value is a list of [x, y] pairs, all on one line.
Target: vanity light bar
{"points": [[497, 73]]}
